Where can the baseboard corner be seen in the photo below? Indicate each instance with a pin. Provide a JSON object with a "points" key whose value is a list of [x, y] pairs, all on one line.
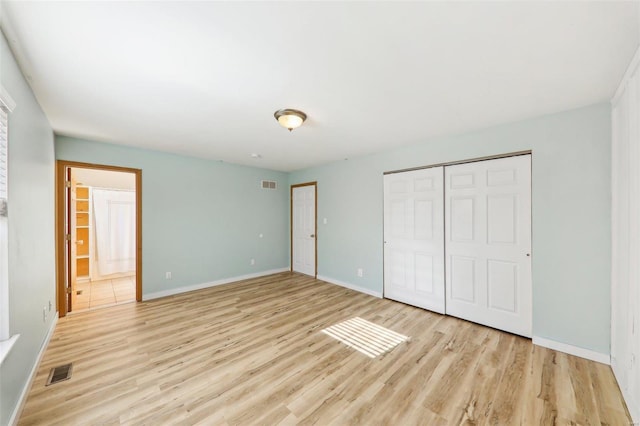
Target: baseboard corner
{"points": [[572, 350]]}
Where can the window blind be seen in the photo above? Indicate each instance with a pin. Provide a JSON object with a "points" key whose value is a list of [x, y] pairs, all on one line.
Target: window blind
{"points": [[4, 172]]}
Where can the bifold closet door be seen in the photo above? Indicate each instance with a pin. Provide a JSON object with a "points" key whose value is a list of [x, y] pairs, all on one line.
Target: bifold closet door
{"points": [[488, 243], [414, 238]]}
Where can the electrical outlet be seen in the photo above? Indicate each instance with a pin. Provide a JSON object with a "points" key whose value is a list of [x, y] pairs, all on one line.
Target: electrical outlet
{"points": [[324, 221], [167, 275], [360, 272], [253, 262], [261, 235], [44, 314]]}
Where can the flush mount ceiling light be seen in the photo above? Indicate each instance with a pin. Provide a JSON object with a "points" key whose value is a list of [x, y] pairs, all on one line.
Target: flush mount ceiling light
{"points": [[290, 118]]}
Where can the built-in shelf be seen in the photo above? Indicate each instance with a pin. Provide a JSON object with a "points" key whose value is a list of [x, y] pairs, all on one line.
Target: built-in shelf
{"points": [[83, 224]]}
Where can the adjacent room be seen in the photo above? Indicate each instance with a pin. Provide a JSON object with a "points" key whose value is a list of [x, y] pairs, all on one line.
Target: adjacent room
{"points": [[347, 213], [101, 222]]}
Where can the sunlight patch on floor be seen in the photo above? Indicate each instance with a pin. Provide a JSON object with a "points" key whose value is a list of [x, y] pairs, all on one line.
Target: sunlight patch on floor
{"points": [[365, 337]]}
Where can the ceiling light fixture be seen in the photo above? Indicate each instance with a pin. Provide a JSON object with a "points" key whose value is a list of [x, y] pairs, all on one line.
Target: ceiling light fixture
{"points": [[290, 118]]}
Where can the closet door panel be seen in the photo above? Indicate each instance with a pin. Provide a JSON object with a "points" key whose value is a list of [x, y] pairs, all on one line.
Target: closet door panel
{"points": [[414, 238], [488, 243]]}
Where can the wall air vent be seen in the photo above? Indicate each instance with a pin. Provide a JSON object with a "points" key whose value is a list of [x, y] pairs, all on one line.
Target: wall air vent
{"points": [[269, 184]]}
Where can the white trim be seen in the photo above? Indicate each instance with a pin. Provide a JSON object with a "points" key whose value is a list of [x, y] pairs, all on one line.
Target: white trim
{"points": [[632, 405], [635, 62], [5, 332], [351, 286], [6, 345], [572, 350], [179, 290], [13, 420], [6, 99], [625, 206]]}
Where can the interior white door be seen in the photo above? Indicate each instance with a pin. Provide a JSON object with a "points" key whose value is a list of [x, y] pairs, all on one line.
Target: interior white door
{"points": [[414, 238], [304, 229], [488, 243]]}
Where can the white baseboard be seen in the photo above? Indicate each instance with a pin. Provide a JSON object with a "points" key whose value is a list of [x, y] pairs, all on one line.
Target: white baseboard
{"points": [[179, 290], [351, 286], [572, 350], [13, 420]]}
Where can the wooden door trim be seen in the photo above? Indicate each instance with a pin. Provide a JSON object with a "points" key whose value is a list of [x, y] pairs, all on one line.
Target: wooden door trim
{"points": [[60, 209], [315, 225], [60, 248], [71, 225]]}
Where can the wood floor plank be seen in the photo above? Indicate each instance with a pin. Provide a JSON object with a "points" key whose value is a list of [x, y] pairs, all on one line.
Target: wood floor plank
{"points": [[252, 352], [479, 388]]}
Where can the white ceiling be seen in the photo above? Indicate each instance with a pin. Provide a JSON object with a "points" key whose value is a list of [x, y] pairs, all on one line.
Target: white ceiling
{"points": [[204, 78]]}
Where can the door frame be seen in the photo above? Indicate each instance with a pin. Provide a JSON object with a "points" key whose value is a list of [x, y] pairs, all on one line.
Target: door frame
{"points": [[315, 205], [71, 252], [60, 213]]}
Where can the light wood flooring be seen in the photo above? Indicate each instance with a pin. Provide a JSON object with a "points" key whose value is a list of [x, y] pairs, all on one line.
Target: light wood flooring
{"points": [[98, 294], [253, 353]]}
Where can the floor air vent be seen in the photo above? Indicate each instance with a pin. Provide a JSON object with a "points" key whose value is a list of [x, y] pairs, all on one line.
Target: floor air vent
{"points": [[59, 374]]}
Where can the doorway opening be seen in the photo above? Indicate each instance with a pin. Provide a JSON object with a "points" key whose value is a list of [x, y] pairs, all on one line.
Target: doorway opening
{"points": [[98, 236]]}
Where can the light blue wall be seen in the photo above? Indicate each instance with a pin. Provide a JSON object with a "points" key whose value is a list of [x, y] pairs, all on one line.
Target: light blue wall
{"points": [[201, 220], [571, 215], [31, 232]]}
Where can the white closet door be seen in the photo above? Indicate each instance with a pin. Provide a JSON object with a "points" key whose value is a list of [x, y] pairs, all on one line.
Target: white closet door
{"points": [[488, 243], [414, 238], [304, 229]]}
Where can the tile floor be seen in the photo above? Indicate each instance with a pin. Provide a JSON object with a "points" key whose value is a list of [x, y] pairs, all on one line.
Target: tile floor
{"points": [[96, 294]]}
